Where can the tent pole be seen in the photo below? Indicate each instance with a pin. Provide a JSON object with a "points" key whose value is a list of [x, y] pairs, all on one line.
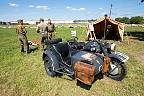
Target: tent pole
{"points": [[110, 10], [105, 27]]}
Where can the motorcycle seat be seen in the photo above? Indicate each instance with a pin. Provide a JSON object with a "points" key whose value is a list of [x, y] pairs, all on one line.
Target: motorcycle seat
{"points": [[63, 49], [54, 41]]}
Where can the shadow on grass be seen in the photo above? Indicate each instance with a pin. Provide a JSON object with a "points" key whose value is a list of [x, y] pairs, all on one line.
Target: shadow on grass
{"points": [[79, 83], [137, 35], [88, 87], [70, 78], [33, 49], [84, 86]]}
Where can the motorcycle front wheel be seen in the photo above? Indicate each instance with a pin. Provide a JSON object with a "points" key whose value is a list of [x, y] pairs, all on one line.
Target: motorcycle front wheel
{"points": [[118, 70]]}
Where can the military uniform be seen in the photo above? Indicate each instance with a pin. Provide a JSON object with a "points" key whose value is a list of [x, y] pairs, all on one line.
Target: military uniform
{"points": [[43, 30], [51, 29], [22, 38]]}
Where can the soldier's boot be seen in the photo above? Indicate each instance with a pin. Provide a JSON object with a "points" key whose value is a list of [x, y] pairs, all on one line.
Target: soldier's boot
{"points": [[27, 49], [42, 46], [22, 50], [50, 36]]}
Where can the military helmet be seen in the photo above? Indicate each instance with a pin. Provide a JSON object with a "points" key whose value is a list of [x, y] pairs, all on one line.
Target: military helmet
{"points": [[49, 20]]}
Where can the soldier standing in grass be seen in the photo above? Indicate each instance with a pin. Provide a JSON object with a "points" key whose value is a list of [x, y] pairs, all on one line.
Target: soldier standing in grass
{"points": [[51, 29], [43, 30], [20, 30]]}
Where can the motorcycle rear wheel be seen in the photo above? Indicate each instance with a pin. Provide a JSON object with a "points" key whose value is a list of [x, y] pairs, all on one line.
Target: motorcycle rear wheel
{"points": [[48, 64], [122, 70]]}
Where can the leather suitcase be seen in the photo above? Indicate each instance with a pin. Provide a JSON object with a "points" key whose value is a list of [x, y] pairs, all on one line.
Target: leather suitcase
{"points": [[84, 72]]}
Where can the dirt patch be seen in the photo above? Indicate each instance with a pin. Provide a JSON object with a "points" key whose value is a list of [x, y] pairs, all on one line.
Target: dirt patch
{"points": [[140, 56]]}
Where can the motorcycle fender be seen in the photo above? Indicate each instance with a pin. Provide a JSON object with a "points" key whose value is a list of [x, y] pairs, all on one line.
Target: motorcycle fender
{"points": [[53, 57], [120, 56], [45, 53]]}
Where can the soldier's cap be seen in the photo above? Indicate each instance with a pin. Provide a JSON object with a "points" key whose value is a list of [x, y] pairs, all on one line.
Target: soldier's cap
{"points": [[41, 19], [49, 19], [20, 20]]}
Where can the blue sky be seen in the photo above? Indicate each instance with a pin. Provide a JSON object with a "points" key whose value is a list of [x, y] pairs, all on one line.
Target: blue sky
{"points": [[68, 9]]}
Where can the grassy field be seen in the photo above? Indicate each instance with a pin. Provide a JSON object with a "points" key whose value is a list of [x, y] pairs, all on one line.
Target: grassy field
{"points": [[24, 74]]}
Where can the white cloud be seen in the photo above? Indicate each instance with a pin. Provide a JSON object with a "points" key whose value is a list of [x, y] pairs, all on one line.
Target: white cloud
{"points": [[68, 7], [31, 6], [76, 9], [100, 8], [42, 7], [82, 9], [13, 4]]}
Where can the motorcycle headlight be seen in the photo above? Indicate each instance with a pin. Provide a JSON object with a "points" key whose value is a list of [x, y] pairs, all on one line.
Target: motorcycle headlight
{"points": [[113, 47]]}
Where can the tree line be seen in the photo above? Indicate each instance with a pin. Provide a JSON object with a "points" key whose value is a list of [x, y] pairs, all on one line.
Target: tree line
{"points": [[132, 20]]}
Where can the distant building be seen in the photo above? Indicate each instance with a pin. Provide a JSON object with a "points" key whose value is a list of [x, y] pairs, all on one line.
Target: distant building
{"points": [[34, 22], [5, 23], [62, 21], [31, 22]]}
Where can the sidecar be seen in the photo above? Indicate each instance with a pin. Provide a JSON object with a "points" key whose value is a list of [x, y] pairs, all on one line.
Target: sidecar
{"points": [[59, 58]]}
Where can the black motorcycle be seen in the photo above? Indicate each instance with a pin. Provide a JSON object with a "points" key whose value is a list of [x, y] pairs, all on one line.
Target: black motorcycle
{"points": [[118, 69]]}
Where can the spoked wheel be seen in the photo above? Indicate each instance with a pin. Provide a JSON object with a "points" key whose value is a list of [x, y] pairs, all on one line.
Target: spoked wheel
{"points": [[118, 70], [48, 64]]}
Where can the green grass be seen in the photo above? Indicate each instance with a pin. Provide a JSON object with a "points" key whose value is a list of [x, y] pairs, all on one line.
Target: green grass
{"points": [[24, 74]]}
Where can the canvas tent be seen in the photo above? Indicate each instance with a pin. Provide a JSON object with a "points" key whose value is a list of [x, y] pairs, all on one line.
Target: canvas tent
{"points": [[108, 28]]}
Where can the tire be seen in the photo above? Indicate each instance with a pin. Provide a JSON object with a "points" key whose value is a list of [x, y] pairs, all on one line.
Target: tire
{"points": [[48, 64], [122, 70]]}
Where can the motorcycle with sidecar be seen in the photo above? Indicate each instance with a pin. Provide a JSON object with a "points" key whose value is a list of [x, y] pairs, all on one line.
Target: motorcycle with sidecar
{"points": [[82, 64]]}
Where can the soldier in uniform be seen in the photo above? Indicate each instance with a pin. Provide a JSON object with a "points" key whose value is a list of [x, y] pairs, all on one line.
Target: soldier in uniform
{"points": [[43, 30], [20, 30], [51, 29]]}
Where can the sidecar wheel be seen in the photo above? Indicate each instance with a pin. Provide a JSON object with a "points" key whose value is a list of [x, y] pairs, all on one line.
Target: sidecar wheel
{"points": [[119, 72], [48, 64]]}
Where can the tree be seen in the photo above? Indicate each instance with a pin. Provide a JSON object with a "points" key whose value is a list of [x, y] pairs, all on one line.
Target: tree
{"points": [[118, 19], [132, 20], [123, 20], [136, 20]]}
